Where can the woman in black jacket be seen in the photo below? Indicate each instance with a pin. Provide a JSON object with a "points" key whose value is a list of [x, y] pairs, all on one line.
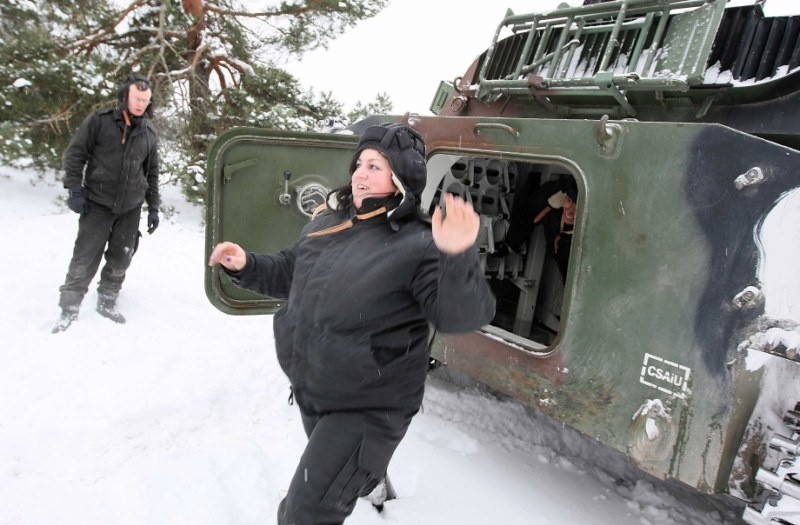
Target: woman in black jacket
{"points": [[363, 283]]}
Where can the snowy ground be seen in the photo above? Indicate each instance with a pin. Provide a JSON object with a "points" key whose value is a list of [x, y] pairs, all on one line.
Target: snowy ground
{"points": [[180, 416]]}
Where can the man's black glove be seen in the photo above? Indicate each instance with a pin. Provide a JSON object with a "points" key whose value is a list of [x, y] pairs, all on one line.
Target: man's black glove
{"points": [[152, 220], [77, 200]]}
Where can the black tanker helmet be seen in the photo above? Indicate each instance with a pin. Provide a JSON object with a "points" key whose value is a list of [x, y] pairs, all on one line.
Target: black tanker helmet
{"points": [[142, 83], [405, 150]]}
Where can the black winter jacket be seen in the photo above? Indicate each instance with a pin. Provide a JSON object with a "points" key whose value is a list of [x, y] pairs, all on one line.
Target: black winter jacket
{"points": [[354, 331], [118, 176]]}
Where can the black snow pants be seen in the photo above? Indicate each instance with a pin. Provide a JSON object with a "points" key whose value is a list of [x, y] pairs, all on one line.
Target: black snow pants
{"points": [[346, 456], [99, 229]]}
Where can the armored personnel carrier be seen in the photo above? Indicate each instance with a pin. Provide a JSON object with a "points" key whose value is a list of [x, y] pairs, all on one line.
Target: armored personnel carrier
{"points": [[677, 123]]}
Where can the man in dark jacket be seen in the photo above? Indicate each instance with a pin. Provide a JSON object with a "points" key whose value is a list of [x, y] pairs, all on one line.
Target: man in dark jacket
{"points": [[111, 169], [363, 284]]}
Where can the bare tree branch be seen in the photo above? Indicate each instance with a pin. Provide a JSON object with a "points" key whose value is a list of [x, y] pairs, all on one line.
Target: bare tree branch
{"points": [[90, 42]]}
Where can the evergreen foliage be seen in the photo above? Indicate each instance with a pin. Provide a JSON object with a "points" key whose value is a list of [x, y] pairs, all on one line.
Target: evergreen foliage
{"points": [[213, 66]]}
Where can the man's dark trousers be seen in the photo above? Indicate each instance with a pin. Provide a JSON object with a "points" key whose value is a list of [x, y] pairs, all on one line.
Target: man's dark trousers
{"points": [[99, 229]]}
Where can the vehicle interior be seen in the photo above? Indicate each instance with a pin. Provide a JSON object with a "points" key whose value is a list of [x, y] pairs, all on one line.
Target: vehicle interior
{"points": [[524, 275]]}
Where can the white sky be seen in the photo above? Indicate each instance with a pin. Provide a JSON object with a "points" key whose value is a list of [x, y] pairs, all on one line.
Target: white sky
{"points": [[413, 44], [407, 49]]}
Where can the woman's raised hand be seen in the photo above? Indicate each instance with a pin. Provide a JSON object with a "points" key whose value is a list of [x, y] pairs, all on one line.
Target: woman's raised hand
{"points": [[458, 231], [228, 254]]}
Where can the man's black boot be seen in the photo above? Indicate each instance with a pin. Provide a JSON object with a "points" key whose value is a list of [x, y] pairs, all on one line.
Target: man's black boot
{"points": [[107, 307], [68, 315]]}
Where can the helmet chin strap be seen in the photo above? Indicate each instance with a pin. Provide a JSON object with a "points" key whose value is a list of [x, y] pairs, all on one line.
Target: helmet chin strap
{"points": [[384, 194], [126, 116], [349, 222]]}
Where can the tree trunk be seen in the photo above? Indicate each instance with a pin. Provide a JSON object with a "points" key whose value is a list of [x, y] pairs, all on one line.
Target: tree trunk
{"points": [[200, 107]]}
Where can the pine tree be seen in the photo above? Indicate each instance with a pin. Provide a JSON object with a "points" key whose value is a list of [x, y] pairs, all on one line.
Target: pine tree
{"points": [[46, 90], [213, 66]]}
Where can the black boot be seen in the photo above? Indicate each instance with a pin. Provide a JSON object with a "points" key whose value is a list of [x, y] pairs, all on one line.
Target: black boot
{"points": [[68, 315], [382, 493], [107, 307]]}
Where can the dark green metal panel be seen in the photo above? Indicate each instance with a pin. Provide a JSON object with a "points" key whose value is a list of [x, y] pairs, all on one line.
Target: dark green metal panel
{"points": [[646, 359], [248, 202], [636, 271], [649, 332]]}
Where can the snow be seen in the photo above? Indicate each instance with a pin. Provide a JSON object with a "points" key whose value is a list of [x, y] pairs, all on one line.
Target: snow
{"points": [[180, 416]]}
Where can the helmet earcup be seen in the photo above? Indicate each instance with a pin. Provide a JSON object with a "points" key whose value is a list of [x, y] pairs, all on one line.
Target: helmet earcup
{"points": [[150, 108], [122, 93]]}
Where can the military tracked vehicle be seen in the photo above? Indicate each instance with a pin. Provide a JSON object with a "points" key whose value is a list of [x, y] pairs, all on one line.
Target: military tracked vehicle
{"points": [[679, 123]]}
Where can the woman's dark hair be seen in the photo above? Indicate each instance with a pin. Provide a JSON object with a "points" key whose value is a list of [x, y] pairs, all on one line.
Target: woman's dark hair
{"points": [[344, 197]]}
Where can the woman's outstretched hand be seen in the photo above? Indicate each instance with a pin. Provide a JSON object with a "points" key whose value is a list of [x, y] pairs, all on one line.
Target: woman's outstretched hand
{"points": [[228, 254], [458, 231]]}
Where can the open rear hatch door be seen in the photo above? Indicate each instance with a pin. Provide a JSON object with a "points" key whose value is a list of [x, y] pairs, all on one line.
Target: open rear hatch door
{"points": [[263, 186]]}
